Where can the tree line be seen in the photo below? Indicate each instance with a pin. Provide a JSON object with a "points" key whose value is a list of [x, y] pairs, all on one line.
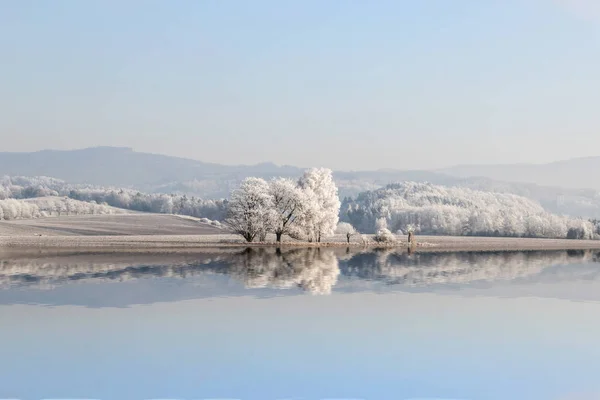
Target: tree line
{"points": [[12, 209], [20, 187]]}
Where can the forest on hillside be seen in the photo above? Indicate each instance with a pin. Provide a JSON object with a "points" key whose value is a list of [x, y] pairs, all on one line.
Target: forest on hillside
{"points": [[438, 210]]}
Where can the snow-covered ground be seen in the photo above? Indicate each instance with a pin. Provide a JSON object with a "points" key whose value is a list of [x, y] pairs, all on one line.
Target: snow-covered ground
{"points": [[108, 225], [162, 232]]}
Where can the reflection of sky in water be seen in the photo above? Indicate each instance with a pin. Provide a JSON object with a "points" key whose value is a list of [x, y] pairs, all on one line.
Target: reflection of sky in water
{"points": [[456, 326]]}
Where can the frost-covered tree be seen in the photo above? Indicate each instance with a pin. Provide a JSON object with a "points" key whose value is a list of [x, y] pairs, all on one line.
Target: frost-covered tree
{"points": [[580, 229], [344, 228], [250, 209], [322, 203], [288, 203], [18, 209]]}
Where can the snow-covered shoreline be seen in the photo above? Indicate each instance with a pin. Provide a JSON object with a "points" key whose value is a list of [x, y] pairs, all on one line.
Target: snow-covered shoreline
{"points": [[200, 243]]}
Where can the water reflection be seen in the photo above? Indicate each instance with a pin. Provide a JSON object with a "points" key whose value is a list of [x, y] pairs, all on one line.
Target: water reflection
{"points": [[313, 270], [463, 267], [250, 331]]}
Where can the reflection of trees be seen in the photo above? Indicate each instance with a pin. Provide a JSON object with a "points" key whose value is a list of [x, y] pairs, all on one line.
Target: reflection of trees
{"points": [[44, 274], [455, 268], [313, 270]]}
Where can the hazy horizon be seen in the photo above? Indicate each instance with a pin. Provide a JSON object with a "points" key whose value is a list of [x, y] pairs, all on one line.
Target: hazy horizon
{"points": [[351, 85], [291, 165]]}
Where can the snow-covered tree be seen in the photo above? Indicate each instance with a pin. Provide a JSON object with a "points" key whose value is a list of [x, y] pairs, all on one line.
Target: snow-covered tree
{"points": [[322, 203], [250, 209], [287, 202], [344, 228], [18, 209], [580, 229]]}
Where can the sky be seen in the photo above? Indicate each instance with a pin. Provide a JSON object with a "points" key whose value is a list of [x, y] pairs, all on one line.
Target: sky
{"points": [[346, 84]]}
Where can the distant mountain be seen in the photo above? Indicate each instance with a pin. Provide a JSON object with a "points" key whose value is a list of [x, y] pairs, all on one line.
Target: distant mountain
{"points": [[116, 166], [124, 167], [574, 173]]}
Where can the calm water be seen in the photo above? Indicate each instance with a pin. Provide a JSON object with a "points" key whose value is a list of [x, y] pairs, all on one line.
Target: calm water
{"points": [[302, 324]]}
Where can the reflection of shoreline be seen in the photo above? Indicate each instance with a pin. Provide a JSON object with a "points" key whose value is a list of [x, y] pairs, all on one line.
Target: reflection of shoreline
{"points": [[314, 270]]}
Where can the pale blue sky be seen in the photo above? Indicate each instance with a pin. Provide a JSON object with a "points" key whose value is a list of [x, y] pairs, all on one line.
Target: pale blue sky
{"points": [[344, 84]]}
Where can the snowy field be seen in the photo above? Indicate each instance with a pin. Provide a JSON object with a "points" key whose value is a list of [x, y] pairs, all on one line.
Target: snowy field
{"points": [[149, 233], [139, 224]]}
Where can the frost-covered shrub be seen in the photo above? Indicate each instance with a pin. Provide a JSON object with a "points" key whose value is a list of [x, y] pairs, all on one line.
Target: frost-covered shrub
{"points": [[384, 235]]}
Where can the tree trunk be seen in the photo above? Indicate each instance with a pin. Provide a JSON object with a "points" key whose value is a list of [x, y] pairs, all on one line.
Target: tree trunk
{"points": [[278, 235], [348, 237]]}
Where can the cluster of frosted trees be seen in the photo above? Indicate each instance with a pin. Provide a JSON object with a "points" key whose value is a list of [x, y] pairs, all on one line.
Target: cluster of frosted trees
{"points": [[18, 209], [20, 187], [57, 206], [31, 187], [154, 202], [11, 209], [307, 209], [438, 210]]}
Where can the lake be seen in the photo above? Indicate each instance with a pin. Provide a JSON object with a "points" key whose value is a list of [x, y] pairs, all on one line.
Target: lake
{"points": [[327, 323]]}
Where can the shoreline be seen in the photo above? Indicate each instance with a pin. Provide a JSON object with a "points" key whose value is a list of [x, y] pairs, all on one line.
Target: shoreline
{"points": [[182, 244]]}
